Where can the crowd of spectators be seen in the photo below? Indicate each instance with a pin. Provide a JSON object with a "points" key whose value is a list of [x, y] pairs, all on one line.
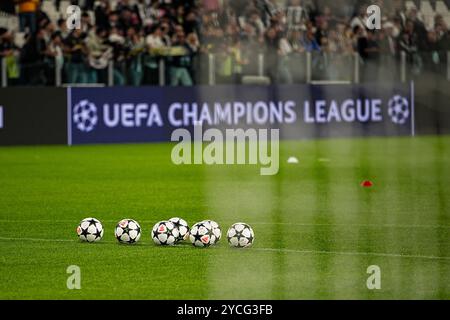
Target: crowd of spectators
{"points": [[137, 34]]}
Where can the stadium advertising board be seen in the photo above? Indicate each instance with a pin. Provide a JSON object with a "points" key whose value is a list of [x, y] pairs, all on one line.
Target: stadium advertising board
{"points": [[33, 116], [147, 114]]}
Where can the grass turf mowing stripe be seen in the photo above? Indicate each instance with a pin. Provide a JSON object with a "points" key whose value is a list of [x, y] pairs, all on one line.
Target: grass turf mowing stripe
{"points": [[375, 254], [350, 225]]}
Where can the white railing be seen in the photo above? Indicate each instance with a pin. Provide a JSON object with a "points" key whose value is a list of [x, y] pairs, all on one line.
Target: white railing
{"points": [[403, 66], [448, 65], [4, 74], [354, 76], [162, 72], [211, 69], [356, 67]]}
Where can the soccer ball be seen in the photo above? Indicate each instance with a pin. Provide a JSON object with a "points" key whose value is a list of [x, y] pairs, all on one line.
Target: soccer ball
{"points": [[90, 230], [183, 228], [165, 233], [128, 231], [215, 229], [201, 234], [240, 235]]}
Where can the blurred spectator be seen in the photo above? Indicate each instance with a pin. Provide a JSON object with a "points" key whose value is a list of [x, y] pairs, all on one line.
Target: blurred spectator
{"points": [[181, 60], [54, 56], [32, 58], [8, 52], [76, 49], [434, 54], [271, 53], [372, 51], [409, 43], [309, 41], [135, 45], [296, 14], [27, 14], [211, 5]]}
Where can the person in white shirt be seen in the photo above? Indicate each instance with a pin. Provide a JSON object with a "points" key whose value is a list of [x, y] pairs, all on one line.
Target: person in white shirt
{"points": [[296, 14], [154, 40]]}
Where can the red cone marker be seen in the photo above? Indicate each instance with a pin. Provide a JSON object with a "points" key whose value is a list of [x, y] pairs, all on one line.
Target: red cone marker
{"points": [[367, 184]]}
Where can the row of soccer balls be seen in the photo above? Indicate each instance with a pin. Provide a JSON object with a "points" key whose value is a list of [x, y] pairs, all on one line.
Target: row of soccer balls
{"points": [[202, 234]]}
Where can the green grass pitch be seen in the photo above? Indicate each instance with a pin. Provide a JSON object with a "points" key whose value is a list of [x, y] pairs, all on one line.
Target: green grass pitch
{"points": [[316, 229]]}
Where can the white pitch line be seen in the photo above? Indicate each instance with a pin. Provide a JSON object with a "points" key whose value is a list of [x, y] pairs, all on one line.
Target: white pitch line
{"points": [[350, 225], [44, 240], [36, 239], [349, 253], [343, 253], [43, 220]]}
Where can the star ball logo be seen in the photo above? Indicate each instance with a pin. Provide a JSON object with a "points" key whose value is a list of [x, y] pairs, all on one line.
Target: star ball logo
{"points": [[398, 109], [85, 116]]}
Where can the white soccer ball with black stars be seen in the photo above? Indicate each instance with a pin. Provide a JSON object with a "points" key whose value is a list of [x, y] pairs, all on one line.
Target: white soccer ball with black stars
{"points": [[165, 233], [240, 235], [90, 230], [217, 231], [128, 231], [183, 228], [201, 234]]}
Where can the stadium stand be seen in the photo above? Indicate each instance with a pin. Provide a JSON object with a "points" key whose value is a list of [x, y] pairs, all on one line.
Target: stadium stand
{"points": [[174, 42]]}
